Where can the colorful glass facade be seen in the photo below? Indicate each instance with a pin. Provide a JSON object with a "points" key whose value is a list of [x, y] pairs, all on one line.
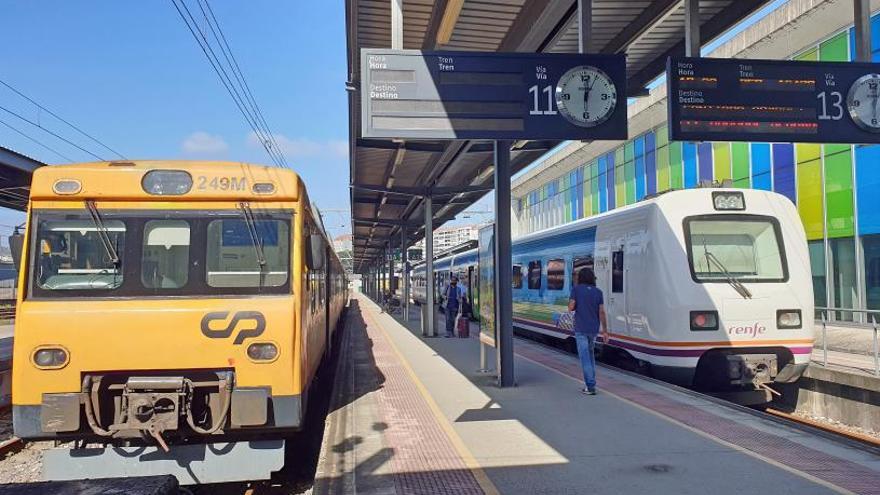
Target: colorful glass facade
{"points": [[831, 185]]}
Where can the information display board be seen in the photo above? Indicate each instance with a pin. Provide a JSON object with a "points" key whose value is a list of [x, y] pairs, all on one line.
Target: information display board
{"points": [[411, 94], [713, 99]]}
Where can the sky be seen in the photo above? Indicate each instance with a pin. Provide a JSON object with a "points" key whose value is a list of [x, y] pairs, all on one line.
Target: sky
{"points": [[132, 75]]}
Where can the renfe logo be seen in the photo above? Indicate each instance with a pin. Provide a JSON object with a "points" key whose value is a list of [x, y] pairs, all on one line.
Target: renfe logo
{"points": [[750, 330]]}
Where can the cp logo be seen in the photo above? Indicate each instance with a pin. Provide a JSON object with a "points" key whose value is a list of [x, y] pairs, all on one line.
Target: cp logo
{"points": [[254, 316]]}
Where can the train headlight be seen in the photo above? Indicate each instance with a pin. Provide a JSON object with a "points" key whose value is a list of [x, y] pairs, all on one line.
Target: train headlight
{"points": [[167, 182], [50, 357], [788, 318], [67, 186], [728, 200], [262, 351], [704, 320]]}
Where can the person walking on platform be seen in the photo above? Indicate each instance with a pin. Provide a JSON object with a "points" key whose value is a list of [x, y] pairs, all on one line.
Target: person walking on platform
{"points": [[451, 304], [589, 314]]}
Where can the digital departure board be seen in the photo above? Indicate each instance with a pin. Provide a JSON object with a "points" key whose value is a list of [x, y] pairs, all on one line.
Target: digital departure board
{"points": [[473, 95], [712, 99]]}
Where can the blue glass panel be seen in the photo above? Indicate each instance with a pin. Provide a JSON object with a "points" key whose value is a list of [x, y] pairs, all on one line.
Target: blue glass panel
{"points": [[867, 185], [640, 167], [603, 191], [761, 166], [783, 170], [651, 162], [609, 180], [689, 154], [704, 157]]}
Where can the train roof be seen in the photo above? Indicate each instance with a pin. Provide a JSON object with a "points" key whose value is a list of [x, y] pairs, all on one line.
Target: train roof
{"points": [[122, 180]]}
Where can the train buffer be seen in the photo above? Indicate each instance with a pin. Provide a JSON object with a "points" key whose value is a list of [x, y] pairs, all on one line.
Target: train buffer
{"points": [[413, 415]]}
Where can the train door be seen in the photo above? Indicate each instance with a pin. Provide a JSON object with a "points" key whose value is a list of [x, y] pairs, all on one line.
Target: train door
{"points": [[615, 301]]}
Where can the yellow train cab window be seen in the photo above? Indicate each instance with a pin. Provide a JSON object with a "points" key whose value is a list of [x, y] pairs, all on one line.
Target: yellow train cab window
{"points": [[233, 254], [165, 259], [75, 255]]}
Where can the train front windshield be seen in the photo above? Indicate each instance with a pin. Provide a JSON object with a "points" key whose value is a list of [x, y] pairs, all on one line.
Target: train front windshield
{"points": [[744, 247], [142, 253]]}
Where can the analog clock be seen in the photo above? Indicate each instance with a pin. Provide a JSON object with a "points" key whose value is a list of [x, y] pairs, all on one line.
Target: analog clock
{"points": [[863, 102], [586, 96]]}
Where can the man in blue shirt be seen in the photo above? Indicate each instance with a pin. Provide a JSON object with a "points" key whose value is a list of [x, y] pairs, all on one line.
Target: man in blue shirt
{"points": [[452, 296], [589, 315]]}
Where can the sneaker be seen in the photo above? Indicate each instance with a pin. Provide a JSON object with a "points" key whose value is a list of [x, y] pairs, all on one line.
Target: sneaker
{"points": [[448, 336], [591, 391]]}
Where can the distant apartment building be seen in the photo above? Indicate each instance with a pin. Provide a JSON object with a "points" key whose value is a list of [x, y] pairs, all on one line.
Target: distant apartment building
{"points": [[449, 237]]}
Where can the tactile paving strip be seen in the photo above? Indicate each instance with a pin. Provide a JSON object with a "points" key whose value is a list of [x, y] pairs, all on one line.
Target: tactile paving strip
{"points": [[839, 472], [424, 459]]}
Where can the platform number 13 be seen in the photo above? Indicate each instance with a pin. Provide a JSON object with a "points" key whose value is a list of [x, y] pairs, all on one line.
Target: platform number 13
{"points": [[835, 99]]}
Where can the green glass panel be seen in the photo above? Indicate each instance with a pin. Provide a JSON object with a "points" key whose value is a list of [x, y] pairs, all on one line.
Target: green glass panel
{"points": [[676, 181], [630, 171], [835, 49], [594, 189], [810, 55], [809, 188], [619, 182], [721, 160], [741, 171], [839, 190]]}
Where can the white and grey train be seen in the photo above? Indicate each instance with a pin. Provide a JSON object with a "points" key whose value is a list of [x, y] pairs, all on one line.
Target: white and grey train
{"points": [[709, 287]]}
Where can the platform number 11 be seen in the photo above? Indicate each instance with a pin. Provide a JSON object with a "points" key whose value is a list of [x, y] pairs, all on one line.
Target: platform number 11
{"points": [[536, 101]]}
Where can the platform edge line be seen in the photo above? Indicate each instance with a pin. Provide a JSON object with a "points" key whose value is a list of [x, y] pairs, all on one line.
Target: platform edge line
{"points": [[470, 461], [807, 476]]}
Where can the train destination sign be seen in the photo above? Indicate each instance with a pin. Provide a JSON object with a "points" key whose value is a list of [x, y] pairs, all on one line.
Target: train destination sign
{"points": [[773, 100], [473, 95]]}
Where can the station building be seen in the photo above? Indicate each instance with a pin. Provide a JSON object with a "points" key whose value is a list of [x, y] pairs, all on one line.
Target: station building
{"points": [[835, 187]]}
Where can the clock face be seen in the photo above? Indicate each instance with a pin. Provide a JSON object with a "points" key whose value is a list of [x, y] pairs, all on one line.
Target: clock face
{"points": [[586, 96], [863, 101]]}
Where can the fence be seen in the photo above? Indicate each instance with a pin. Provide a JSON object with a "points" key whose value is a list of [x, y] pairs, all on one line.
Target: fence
{"points": [[823, 314]]}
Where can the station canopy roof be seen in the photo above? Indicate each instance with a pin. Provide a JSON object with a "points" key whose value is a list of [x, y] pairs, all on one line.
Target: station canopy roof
{"points": [[389, 176], [15, 178]]}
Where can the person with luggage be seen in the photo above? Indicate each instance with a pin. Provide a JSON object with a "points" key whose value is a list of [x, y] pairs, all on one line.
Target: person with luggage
{"points": [[452, 305]]}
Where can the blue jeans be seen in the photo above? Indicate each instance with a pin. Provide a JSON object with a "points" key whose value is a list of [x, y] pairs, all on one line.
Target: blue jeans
{"points": [[450, 320], [586, 344]]}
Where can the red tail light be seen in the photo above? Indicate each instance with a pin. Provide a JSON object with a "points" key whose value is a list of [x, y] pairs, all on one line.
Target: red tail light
{"points": [[704, 320]]}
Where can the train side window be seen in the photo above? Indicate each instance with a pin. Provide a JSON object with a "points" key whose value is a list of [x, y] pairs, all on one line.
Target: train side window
{"points": [[517, 276], [579, 263], [535, 274], [555, 274], [165, 258], [617, 271]]}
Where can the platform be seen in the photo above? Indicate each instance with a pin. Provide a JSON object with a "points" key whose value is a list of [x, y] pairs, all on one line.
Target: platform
{"points": [[411, 415]]}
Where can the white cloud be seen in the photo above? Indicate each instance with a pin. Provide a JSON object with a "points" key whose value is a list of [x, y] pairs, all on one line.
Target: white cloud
{"points": [[202, 143], [303, 147]]}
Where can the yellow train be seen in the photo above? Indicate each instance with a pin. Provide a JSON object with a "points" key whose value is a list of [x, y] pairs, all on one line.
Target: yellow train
{"points": [[179, 309]]}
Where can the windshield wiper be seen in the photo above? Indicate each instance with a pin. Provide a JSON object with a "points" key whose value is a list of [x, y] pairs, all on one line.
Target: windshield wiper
{"points": [[103, 233], [736, 284], [252, 230]]}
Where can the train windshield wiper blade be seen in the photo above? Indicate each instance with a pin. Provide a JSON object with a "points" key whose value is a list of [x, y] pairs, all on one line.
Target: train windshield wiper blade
{"points": [[731, 279], [252, 230], [102, 232]]}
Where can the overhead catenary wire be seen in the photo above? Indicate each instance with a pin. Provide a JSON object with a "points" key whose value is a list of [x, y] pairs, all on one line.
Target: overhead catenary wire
{"points": [[38, 126], [236, 70], [226, 80], [62, 119], [35, 140]]}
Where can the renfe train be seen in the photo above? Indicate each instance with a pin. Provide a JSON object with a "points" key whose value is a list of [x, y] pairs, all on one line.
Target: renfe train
{"points": [[173, 312], [709, 287]]}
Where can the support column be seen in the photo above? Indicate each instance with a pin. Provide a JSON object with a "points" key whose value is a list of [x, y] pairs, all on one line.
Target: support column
{"points": [[503, 265], [691, 28], [585, 21], [428, 329], [862, 20], [390, 266], [404, 272], [396, 24]]}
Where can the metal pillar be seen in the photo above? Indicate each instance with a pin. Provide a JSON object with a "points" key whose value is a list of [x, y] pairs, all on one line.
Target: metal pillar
{"points": [[428, 329], [503, 265], [404, 272], [691, 28], [862, 18], [390, 267], [585, 23], [396, 24]]}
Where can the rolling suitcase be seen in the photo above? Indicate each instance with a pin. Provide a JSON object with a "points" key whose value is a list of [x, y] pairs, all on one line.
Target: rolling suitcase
{"points": [[462, 326]]}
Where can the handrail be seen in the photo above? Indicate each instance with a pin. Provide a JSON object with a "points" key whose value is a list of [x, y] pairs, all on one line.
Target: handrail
{"points": [[873, 326]]}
